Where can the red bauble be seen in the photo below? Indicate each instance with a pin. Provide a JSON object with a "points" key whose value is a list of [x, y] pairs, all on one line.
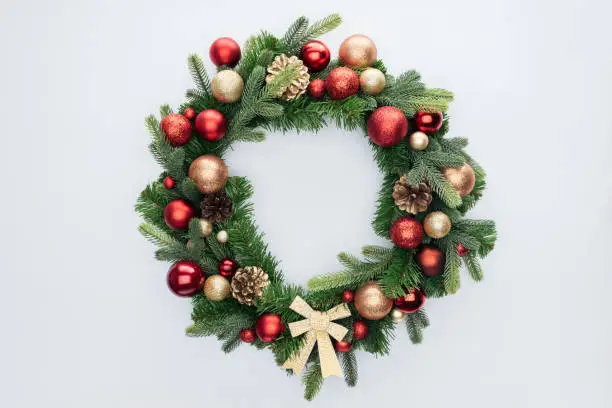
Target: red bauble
{"points": [[360, 330], [211, 125], [428, 122], [430, 259], [268, 327], [224, 51], [185, 278], [189, 113], [387, 126], [341, 83], [342, 346], [462, 251], [247, 335], [413, 301], [169, 182], [407, 232], [347, 296], [178, 213], [227, 267], [315, 55], [316, 88], [177, 129]]}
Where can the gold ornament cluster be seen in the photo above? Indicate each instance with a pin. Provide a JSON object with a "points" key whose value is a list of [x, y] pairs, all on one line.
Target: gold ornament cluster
{"points": [[248, 284], [299, 84]]}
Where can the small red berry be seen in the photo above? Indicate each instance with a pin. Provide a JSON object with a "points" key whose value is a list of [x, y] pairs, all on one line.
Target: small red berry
{"points": [[169, 183]]}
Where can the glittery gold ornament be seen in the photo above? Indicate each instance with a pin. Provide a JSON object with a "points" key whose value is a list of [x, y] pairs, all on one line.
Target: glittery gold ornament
{"points": [[372, 81], [419, 141], [209, 173], [227, 86], [222, 236], [216, 288], [371, 302], [397, 315], [462, 179], [206, 227], [299, 85], [358, 50], [437, 224]]}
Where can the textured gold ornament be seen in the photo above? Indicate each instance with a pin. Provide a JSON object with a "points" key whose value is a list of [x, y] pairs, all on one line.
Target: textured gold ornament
{"points": [[222, 236], [357, 51], [227, 86], [216, 288], [209, 173], [248, 284], [299, 85], [372, 81], [437, 224], [462, 179], [411, 198], [371, 302], [318, 326], [206, 227], [419, 141], [397, 315]]}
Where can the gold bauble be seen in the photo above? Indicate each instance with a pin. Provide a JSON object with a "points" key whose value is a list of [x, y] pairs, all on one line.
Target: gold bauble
{"points": [[227, 86], [437, 224], [222, 236], [371, 302], [462, 179], [206, 227], [397, 315], [209, 173], [372, 81], [216, 288], [358, 51], [419, 141]]}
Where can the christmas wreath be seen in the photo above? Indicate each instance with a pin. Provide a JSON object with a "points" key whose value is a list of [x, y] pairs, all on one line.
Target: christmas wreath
{"points": [[202, 221]]}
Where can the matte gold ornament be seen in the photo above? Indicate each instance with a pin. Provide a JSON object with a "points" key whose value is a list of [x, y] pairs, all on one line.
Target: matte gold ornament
{"points": [[371, 302], [437, 224], [411, 198], [299, 85], [216, 288], [372, 81], [227, 86], [222, 236], [462, 179], [206, 227], [419, 141], [358, 51], [209, 173], [397, 315]]}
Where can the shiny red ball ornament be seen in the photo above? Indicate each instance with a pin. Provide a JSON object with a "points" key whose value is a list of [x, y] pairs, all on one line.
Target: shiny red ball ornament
{"points": [[185, 278], [360, 330], [178, 213], [342, 346], [462, 251], [169, 182], [430, 259], [316, 88], [428, 122], [315, 55], [411, 302], [224, 51], [189, 113], [347, 296], [268, 327], [341, 83], [177, 129], [211, 125], [247, 335], [387, 126], [407, 232], [227, 267]]}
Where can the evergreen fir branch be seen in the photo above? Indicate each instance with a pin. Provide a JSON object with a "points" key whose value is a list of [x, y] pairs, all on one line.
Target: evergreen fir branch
{"points": [[231, 343], [254, 83], [269, 109], [402, 274], [441, 187], [398, 159], [279, 83], [218, 250], [348, 113], [199, 75], [171, 249], [386, 210], [482, 230], [413, 325], [165, 110], [175, 164], [295, 36], [160, 147], [189, 190], [299, 115], [151, 203], [277, 297], [433, 100], [313, 380], [440, 159], [348, 361], [375, 252], [248, 135], [380, 335], [452, 268], [335, 63], [323, 26], [421, 318], [348, 260], [286, 346], [473, 266], [253, 49], [226, 321]]}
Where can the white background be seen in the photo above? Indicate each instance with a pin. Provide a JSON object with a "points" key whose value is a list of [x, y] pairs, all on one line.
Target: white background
{"points": [[86, 318]]}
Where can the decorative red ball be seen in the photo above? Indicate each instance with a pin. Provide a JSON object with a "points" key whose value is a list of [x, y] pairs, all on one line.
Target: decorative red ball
{"points": [[462, 251], [185, 278], [316, 88], [211, 125], [342, 346], [387, 126], [347, 296], [169, 182], [360, 330], [177, 129], [407, 232], [189, 113], [430, 259], [247, 335], [428, 122], [224, 51], [341, 83], [413, 301], [178, 213], [227, 267], [268, 327], [316, 55]]}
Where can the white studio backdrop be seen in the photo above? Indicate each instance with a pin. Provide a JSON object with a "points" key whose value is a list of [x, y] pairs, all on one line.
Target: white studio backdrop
{"points": [[87, 320]]}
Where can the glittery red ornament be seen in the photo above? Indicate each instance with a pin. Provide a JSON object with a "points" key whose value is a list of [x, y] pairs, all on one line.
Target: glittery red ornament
{"points": [[224, 51], [341, 83], [227, 267], [268, 327], [211, 125], [360, 330], [316, 88], [189, 113], [315, 55], [247, 335], [342, 346], [177, 129], [169, 182], [347, 296], [411, 302], [428, 122], [387, 126], [430, 259], [462, 251], [178, 213], [407, 232], [185, 278]]}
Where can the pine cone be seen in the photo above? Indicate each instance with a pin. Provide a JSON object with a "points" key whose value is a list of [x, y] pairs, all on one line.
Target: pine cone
{"points": [[299, 85], [248, 284], [413, 199], [216, 207]]}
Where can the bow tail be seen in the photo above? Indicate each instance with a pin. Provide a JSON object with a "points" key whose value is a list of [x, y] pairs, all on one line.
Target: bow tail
{"points": [[298, 360], [327, 356]]}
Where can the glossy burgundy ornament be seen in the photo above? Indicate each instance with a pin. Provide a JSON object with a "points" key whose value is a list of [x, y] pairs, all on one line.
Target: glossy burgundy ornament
{"points": [[211, 125], [268, 327], [227, 267], [315, 55], [430, 259], [177, 129], [360, 330], [169, 182], [341, 83], [407, 232], [189, 113], [224, 51], [185, 278], [342, 346], [411, 302], [316, 88], [347, 296], [387, 126], [428, 122], [178, 213], [247, 335], [462, 251]]}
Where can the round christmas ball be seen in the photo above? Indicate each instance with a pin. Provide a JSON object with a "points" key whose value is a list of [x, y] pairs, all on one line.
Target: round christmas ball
{"points": [[418, 141], [189, 113], [360, 330], [411, 302], [227, 267], [462, 179], [406, 232], [224, 51], [371, 302], [316, 55], [178, 213], [222, 236], [341, 83], [227, 86], [437, 224], [347, 296], [185, 278], [169, 182], [372, 81], [247, 335], [430, 259], [177, 129], [216, 288], [462, 251], [428, 122], [358, 51], [209, 173], [316, 88], [206, 227], [211, 125], [387, 126], [397, 315], [342, 346], [268, 327]]}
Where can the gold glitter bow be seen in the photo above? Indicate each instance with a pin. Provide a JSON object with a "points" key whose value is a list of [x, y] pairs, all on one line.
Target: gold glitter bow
{"points": [[318, 326]]}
